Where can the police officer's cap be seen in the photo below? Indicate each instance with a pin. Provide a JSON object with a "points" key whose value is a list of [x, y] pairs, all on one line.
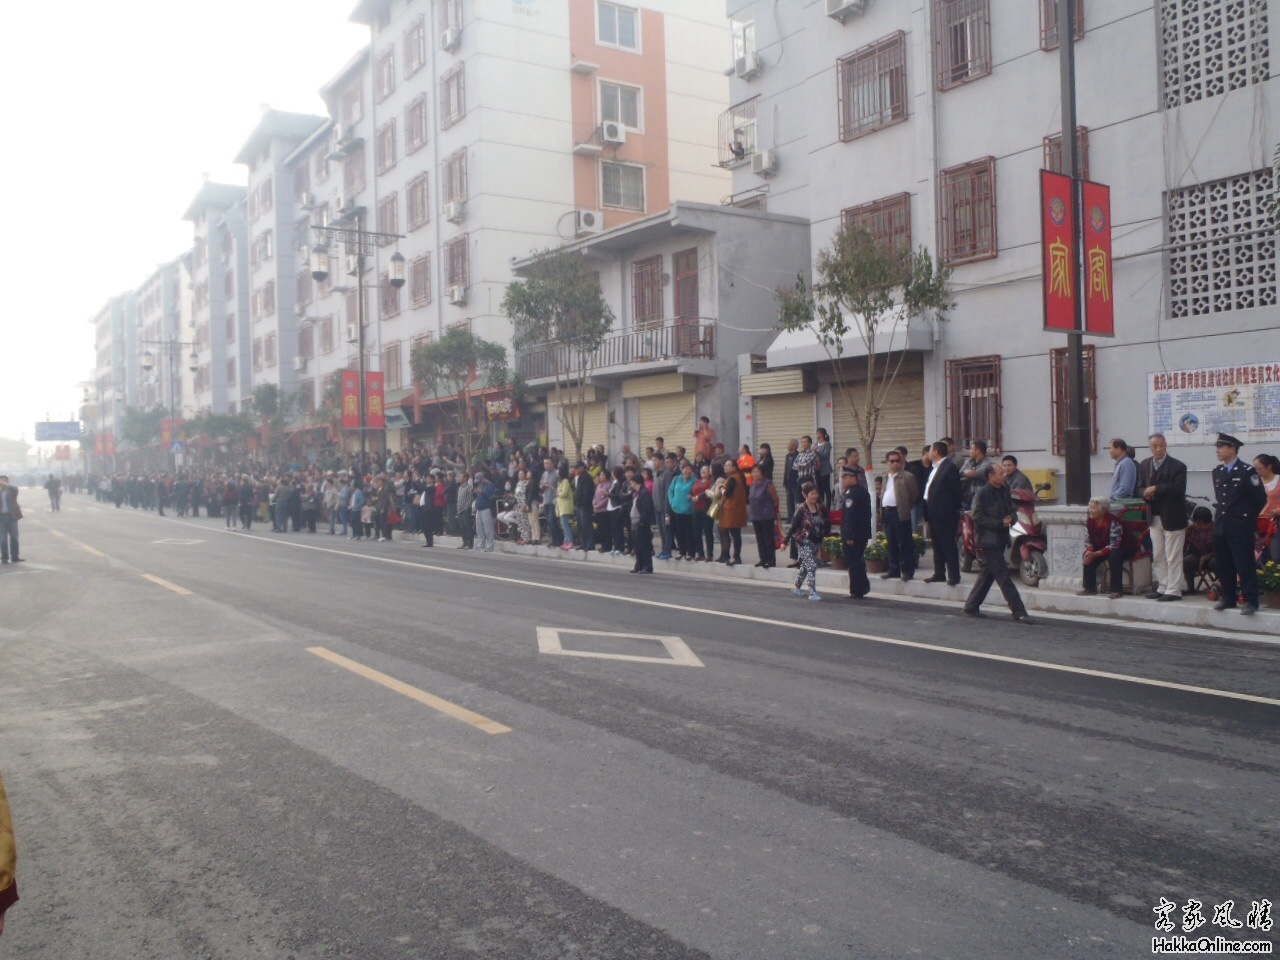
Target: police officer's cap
{"points": [[851, 471], [1226, 440]]}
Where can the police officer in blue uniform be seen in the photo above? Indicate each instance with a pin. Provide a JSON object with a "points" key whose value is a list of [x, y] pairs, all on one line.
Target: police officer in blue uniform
{"points": [[1239, 497], [855, 528]]}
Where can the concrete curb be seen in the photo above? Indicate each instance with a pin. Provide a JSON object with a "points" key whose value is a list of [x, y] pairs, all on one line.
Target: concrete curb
{"points": [[1192, 612]]}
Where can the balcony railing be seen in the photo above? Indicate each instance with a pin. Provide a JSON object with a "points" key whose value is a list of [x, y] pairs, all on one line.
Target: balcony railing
{"points": [[677, 340]]}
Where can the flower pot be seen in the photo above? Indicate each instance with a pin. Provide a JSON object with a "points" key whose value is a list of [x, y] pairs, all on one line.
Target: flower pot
{"points": [[1271, 598], [877, 566], [837, 563]]}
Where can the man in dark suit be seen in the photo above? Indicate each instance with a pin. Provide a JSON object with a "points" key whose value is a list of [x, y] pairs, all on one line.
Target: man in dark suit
{"points": [[10, 514], [942, 506], [1239, 498], [1162, 482], [855, 528], [642, 519]]}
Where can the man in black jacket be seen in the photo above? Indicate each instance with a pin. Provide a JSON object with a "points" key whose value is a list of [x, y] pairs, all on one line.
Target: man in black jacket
{"points": [[855, 529], [1162, 482], [993, 514], [584, 491], [642, 519], [942, 506]]}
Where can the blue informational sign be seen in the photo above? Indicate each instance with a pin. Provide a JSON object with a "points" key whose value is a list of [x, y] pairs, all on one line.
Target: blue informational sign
{"points": [[178, 446], [57, 431]]}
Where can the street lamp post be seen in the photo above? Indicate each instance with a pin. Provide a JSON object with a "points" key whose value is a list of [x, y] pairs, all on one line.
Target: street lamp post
{"points": [[358, 243], [172, 346]]}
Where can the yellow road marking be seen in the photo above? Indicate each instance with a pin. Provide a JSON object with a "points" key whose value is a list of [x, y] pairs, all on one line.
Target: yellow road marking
{"points": [[165, 583], [413, 693], [59, 534], [88, 549]]}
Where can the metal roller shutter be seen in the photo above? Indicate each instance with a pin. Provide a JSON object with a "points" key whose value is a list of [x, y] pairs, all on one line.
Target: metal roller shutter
{"points": [[595, 425], [781, 419], [670, 416], [901, 420]]}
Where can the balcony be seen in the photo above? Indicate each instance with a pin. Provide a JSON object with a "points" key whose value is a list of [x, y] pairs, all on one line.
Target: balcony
{"points": [[659, 346]]}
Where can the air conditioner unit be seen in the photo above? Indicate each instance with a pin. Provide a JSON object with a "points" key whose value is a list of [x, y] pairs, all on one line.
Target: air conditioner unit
{"points": [[587, 223], [613, 132], [458, 296], [353, 335], [764, 163], [455, 211], [450, 39], [747, 67], [299, 363], [842, 10]]}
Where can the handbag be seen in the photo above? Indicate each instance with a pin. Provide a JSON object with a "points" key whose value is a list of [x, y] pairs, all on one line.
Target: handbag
{"points": [[366, 514]]}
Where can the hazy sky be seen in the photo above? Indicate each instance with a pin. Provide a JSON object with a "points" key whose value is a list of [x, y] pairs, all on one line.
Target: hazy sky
{"points": [[115, 112]]}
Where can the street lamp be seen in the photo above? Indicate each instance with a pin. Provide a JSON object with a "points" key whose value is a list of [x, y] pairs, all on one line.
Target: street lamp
{"points": [[172, 347], [358, 243]]}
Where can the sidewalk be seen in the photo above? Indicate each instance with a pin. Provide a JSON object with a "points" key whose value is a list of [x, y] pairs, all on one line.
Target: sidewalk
{"points": [[1193, 611]]}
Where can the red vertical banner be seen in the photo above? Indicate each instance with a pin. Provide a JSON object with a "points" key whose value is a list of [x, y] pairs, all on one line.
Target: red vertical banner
{"points": [[111, 444], [99, 445], [1059, 251], [1099, 294], [350, 399], [166, 432], [375, 399]]}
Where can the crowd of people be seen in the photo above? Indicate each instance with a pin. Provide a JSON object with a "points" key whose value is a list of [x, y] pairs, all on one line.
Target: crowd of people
{"points": [[692, 504]]}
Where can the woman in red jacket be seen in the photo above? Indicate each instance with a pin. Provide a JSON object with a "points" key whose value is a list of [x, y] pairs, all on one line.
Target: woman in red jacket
{"points": [[1105, 535]]}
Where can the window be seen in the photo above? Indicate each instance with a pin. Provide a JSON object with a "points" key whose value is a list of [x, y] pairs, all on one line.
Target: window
{"points": [[386, 148], [872, 87], [457, 262], [420, 280], [1211, 46], [421, 340], [419, 201], [888, 220], [1049, 23], [685, 267], [228, 285], [262, 248], [454, 172], [200, 253], [737, 133], [1058, 376], [618, 26], [623, 186], [415, 47], [969, 212], [307, 342], [266, 196], [269, 297], [646, 292], [306, 287], [255, 306], [1222, 245], [353, 101], [450, 15], [743, 27], [353, 176], [459, 325], [386, 73], [257, 353], [389, 297], [389, 214], [301, 182], [1055, 161], [973, 401], [326, 334], [962, 45], [415, 125], [231, 328], [353, 307], [391, 365], [620, 104], [453, 97], [269, 350], [231, 373]]}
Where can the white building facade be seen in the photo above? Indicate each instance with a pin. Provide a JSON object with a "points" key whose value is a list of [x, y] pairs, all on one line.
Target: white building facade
{"points": [[928, 121]]}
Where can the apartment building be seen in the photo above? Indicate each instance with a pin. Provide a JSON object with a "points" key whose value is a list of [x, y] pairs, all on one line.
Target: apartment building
{"points": [[115, 383], [928, 122]]}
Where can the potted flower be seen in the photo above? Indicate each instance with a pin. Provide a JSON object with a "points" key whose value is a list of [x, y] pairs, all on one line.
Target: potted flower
{"points": [[917, 541], [1269, 581], [877, 554], [833, 551]]}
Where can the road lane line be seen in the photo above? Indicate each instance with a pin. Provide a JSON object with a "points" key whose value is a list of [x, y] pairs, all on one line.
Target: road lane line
{"points": [[788, 625], [88, 549], [163, 583], [413, 693]]}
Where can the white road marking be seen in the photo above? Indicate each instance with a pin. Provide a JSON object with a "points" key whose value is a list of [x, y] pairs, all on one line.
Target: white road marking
{"points": [[681, 655], [787, 625]]}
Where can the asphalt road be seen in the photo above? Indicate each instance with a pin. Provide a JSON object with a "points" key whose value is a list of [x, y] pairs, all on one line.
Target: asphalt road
{"points": [[264, 752]]}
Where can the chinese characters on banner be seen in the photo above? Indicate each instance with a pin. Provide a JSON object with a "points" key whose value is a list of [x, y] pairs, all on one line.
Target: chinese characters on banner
{"points": [[374, 400], [111, 444], [99, 444], [350, 399], [1193, 406], [166, 432], [1058, 234], [502, 406], [62, 451], [1099, 302]]}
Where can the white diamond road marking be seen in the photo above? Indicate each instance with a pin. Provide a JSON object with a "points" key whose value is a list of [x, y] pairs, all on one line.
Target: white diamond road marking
{"points": [[681, 655], [179, 543]]}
